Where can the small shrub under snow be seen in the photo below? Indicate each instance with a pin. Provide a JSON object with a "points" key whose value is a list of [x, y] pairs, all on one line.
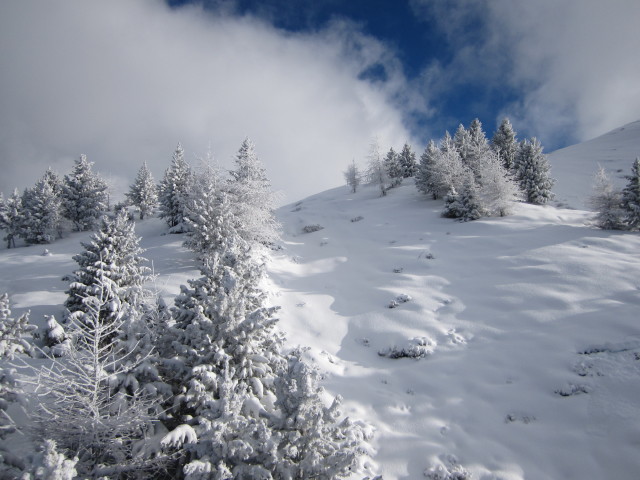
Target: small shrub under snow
{"points": [[311, 228], [419, 347], [402, 298]]}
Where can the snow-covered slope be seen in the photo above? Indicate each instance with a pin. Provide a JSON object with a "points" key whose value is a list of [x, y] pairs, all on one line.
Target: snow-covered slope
{"points": [[575, 166], [528, 324]]}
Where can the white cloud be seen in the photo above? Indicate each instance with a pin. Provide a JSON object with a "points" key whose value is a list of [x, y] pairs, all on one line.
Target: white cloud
{"points": [[125, 81], [574, 62]]}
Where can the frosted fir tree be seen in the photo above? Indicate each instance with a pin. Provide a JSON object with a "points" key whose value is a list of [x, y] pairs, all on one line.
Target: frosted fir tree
{"points": [[254, 201], [352, 176], [607, 203], [394, 168], [173, 191], [477, 148], [143, 193], [631, 197], [462, 142], [452, 206], [497, 188], [85, 196], [113, 252], [77, 406], [407, 160], [449, 169], [533, 173], [315, 441], [13, 331], [471, 207], [49, 464], [505, 144], [11, 218], [376, 173], [424, 175], [42, 214]]}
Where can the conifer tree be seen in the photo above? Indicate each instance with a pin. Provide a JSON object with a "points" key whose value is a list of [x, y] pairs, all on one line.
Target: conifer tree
{"points": [[607, 203], [11, 217], [143, 193], [84, 196], [462, 142], [477, 148], [470, 202], [394, 168], [42, 213], [426, 174], [352, 176], [407, 160], [631, 197], [253, 199], [452, 206], [533, 173], [174, 190], [505, 144], [113, 252]]}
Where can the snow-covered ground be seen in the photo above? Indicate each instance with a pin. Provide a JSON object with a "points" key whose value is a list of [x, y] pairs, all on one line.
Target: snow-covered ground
{"points": [[527, 325]]}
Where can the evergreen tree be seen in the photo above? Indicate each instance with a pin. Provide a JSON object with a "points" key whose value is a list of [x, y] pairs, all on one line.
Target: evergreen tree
{"points": [[394, 168], [505, 144], [407, 160], [84, 196], [114, 253], [470, 203], [462, 142], [631, 197], [174, 190], [426, 174], [496, 187], [477, 148], [253, 199], [143, 194], [42, 214], [452, 205], [376, 172], [449, 170], [533, 173], [607, 203], [352, 176], [11, 218]]}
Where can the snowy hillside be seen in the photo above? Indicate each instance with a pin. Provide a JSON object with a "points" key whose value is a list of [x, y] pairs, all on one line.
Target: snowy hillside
{"points": [[575, 166], [527, 326]]}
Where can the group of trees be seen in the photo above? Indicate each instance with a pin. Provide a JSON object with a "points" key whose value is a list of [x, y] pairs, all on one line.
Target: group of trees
{"points": [[476, 177], [205, 389], [615, 209]]}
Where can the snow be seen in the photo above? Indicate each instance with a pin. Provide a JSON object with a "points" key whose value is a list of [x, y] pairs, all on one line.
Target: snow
{"points": [[530, 322]]}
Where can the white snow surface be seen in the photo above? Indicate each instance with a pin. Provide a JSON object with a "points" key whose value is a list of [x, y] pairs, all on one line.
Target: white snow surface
{"points": [[575, 166], [529, 324]]}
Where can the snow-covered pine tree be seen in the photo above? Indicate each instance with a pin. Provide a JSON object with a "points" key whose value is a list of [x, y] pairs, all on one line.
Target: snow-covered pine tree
{"points": [[533, 173], [497, 189], [315, 441], [49, 464], [407, 160], [462, 142], [505, 144], [376, 173], [425, 179], [11, 216], [173, 191], [477, 148], [452, 206], [607, 203], [13, 331], [143, 193], [352, 176], [112, 252], [42, 214], [85, 196], [471, 207], [631, 197], [449, 170], [253, 199], [394, 168]]}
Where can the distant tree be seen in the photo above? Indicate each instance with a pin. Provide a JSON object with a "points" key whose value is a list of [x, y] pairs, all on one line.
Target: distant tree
{"points": [[631, 197], [462, 142], [497, 188], [84, 196], [394, 168], [426, 174], [253, 199], [533, 173], [42, 213], [607, 203], [505, 144], [113, 252], [174, 190], [376, 172], [11, 218], [143, 193], [352, 176], [449, 170], [477, 148], [407, 160]]}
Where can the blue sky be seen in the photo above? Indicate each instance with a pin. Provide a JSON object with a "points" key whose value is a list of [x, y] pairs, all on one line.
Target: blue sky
{"points": [[313, 83]]}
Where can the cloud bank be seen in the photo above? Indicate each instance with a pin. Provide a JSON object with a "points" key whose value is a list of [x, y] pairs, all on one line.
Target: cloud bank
{"points": [[572, 65], [124, 81]]}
